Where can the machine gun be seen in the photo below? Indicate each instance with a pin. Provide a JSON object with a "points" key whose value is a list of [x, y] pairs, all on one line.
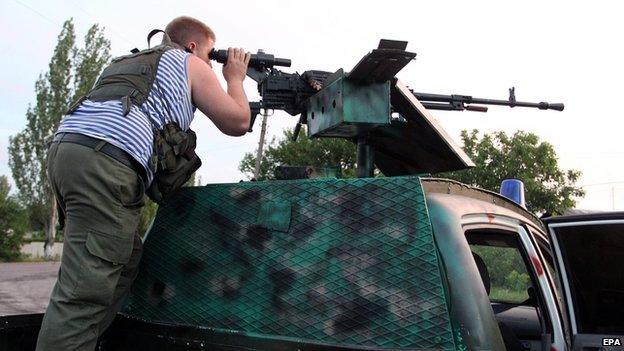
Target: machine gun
{"points": [[290, 91], [359, 106], [461, 102], [279, 90]]}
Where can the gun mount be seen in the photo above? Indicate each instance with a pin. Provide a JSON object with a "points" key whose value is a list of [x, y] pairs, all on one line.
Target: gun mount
{"points": [[359, 105]]}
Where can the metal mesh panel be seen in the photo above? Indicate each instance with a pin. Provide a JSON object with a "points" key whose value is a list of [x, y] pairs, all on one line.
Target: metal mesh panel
{"points": [[348, 262]]}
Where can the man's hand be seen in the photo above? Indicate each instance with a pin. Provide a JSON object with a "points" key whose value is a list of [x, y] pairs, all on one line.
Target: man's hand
{"points": [[235, 69], [228, 110]]}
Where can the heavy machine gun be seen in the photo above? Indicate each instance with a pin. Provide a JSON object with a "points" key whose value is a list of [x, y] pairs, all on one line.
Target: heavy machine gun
{"points": [[464, 102], [390, 123]]}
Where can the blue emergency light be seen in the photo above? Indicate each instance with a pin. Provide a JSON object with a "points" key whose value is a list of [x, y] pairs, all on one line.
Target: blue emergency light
{"points": [[513, 189]]}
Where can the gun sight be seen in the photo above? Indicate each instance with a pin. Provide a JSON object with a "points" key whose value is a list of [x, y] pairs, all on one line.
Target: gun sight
{"points": [[259, 60]]}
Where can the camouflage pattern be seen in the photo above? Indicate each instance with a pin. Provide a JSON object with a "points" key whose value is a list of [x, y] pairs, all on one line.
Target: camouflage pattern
{"points": [[345, 109], [343, 262]]}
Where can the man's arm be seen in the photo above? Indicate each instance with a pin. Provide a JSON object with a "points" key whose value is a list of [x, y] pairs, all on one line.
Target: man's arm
{"points": [[229, 111]]}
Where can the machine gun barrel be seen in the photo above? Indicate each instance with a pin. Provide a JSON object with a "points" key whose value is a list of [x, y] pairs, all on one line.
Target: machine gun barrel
{"points": [[458, 102], [259, 60]]}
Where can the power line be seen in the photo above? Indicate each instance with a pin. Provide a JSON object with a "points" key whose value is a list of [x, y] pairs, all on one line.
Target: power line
{"points": [[55, 23], [37, 12], [605, 183], [94, 19]]}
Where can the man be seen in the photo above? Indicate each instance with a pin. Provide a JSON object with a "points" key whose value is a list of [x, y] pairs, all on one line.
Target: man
{"points": [[99, 165]]}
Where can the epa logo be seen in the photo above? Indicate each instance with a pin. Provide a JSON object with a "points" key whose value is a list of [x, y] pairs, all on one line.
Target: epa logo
{"points": [[611, 342]]}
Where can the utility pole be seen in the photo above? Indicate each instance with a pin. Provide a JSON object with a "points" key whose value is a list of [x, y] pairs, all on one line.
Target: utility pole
{"points": [[261, 144]]}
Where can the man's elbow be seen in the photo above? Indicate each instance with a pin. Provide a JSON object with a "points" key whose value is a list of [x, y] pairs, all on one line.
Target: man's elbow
{"points": [[244, 126], [238, 132], [239, 129]]}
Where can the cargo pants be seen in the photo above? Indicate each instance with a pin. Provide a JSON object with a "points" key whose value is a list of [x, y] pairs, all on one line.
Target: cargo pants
{"points": [[101, 199]]}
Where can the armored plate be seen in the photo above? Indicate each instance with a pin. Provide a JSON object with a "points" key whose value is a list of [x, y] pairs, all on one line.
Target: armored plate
{"points": [[417, 145], [345, 109], [339, 262], [381, 64]]}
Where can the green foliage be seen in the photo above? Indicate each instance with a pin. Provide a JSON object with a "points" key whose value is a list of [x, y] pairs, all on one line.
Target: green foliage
{"points": [[506, 295], [39, 235], [303, 152], [497, 156], [70, 74], [13, 223], [509, 278], [517, 281], [148, 212], [89, 61]]}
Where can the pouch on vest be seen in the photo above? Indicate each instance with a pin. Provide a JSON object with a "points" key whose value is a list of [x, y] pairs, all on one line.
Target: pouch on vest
{"points": [[173, 161]]}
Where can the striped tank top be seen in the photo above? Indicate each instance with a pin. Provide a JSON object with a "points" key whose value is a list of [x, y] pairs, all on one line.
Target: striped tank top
{"points": [[169, 100]]}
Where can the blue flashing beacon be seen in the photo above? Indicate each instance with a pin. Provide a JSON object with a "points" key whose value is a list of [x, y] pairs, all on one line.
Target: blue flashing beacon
{"points": [[513, 189]]}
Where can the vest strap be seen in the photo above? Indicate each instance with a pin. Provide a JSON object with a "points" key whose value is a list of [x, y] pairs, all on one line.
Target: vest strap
{"points": [[75, 105], [165, 41]]}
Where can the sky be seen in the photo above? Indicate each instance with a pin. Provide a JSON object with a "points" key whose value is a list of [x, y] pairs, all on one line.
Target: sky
{"points": [[555, 51]]}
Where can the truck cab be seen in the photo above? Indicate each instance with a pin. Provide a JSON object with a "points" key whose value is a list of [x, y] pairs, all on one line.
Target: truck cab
{"points": [[567, 291]]}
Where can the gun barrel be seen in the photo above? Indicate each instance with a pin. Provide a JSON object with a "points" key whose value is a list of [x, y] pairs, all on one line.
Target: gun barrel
{"points": [[259, 60], [540, 105], [458, 100]]}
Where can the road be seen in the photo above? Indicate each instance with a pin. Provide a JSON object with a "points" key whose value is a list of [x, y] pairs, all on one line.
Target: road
{"points": [[25, 287]]}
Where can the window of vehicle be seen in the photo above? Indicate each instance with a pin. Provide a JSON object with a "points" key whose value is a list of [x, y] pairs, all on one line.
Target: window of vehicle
{"points": [[509, 279], [512, 285]]}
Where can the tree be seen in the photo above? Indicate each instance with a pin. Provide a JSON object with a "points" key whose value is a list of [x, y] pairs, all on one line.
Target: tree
{"points": [[71, 73], [303, 152], [497, 156], [12, 223]]}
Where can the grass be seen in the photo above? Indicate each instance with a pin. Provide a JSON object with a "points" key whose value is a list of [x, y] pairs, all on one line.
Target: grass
{"points": [[29, 258], [506, 295]]}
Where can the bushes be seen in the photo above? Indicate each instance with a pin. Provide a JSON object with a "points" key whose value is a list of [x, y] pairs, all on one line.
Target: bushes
{"points": [[13, 222], [508, 275]]}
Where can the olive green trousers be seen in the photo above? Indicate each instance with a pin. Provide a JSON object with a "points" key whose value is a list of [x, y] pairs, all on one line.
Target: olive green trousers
{"points": [[101, 199]]}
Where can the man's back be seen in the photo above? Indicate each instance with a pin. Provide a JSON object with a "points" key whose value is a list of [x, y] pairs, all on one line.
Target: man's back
{"points": [[168, 101]]}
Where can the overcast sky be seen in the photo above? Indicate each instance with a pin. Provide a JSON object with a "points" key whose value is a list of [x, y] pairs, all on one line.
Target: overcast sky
{"points": [[556, 51]]}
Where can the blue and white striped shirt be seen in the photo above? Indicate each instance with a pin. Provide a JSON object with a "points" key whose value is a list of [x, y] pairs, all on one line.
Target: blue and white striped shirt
{"points": [[169, 100]]}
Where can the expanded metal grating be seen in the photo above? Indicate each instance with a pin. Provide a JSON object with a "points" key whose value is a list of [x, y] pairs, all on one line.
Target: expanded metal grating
{"points": [[345, 262]]}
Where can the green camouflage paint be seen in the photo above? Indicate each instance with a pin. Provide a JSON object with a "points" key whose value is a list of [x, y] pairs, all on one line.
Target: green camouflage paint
{"points": [[471, 313], [346, 110], [350, 262]]}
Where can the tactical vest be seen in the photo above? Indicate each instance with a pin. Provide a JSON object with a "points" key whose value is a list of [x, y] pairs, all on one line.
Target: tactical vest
{"points": [[130, 79]]}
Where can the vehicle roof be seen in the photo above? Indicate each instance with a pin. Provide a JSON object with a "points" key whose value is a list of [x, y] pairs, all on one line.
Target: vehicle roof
{"points": [[598, 216], [452, 187]]}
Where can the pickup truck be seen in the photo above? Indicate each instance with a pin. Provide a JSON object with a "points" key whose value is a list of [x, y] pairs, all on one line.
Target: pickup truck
{"points": [[400, 262], [397, 263]]}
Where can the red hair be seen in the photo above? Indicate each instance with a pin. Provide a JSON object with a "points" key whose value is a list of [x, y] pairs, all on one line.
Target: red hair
{"points": [[184, 29]]}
